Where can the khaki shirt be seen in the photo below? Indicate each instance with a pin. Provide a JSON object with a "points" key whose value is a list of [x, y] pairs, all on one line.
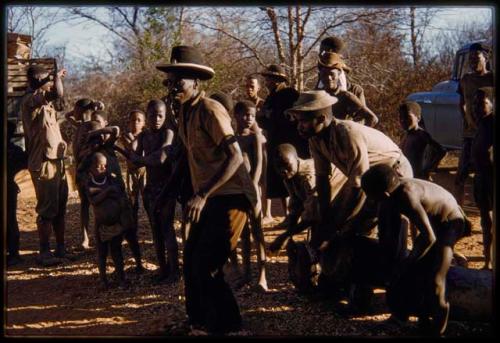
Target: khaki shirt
{"points": [[469, 84], [41, 130], [353, 148], [203, 126]]}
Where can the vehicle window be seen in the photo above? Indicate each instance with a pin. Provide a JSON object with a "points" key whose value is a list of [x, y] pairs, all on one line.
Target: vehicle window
{"points": [[464, 66]]}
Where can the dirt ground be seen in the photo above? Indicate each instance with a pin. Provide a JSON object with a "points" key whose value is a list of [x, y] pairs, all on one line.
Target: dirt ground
{"points": [[64, 301]]}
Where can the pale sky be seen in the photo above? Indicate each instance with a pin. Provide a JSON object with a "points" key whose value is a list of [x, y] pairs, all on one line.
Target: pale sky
{"points": [[91, 39]]}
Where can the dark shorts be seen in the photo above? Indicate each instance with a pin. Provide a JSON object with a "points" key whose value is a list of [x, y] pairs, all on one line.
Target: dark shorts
{"points": [[51, 188]]}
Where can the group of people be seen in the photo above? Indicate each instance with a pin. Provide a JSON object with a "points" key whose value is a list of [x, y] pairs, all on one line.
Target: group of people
{"points": [[318, 151]]}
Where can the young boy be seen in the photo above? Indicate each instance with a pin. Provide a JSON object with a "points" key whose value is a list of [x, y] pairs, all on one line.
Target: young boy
{"points": [[417, 142], [113, 215], [16, 161], [136, 176], [251, 142], [482, 159], [152, 152], [299, 178], [79, 117], [441, 223], [102, 139]]}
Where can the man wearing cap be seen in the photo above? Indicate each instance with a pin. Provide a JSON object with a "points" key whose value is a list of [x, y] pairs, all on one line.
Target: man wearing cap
{"points": [[349, 106], [46, 151], [350, 147], [280, 129], [223, 193], [478, 77]]}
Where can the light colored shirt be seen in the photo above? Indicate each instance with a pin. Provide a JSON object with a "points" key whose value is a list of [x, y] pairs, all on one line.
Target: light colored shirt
{"points": [[204, 124], [353, 148], [41, 130]]}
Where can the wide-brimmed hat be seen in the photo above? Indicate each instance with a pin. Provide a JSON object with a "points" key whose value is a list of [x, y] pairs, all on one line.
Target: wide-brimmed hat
{"points": [[187, 60], [332, 60], [275, 70], [312, 101], [35, 73]]}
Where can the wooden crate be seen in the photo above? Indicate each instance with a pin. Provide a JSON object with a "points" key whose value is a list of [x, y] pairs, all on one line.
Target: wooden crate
{"points": [[17, 68], [18, 45]]}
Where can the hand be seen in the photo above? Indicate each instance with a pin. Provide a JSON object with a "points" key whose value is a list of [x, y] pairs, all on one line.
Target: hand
{"points": [[62, 73], [194, 207], [324, 246]]}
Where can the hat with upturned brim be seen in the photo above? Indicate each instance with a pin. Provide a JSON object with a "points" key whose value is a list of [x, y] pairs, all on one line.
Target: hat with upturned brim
{"points": [[311, 101], [274, 70], [332, 60], [187, 60]]}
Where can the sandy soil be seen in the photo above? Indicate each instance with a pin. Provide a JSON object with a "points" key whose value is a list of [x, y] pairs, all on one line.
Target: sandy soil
{"points": [[64, 300]]}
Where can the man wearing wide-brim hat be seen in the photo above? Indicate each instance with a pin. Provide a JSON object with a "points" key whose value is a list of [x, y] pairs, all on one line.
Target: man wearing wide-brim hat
{"points": [[352, 148], [349, 105], [334, 44], [223, 192], [279, 128], [46, 150]]}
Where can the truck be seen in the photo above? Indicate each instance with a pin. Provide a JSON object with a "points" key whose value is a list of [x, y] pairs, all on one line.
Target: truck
{"points": [[440, 106]]}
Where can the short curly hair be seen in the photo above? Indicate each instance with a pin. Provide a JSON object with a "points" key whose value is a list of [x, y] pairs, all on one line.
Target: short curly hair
{"points": [[411, 106], [379, 179]]}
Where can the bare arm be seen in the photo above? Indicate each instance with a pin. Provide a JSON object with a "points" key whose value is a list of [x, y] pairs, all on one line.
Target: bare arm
{"points": [[71, 119], [259, 157], [233, 162], [58, 91], [414, 210], [158, 157]]}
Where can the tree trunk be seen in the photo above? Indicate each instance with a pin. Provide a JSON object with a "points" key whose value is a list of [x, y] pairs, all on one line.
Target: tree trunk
{"points": [[413, 38], [293, 56], [298, 48], [274, 24]]}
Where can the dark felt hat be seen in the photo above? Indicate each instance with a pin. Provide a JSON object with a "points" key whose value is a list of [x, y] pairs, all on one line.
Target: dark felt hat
{"points": [[311, 101], [332, 44], [187, 60], [36, 71], [332, 60], [225, 99], [275, 70]]}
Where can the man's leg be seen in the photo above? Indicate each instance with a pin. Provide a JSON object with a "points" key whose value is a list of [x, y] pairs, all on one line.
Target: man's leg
{"points": [[167, 223], [441, 306], [224, 223], [59, 224], [12, 227], [117, 256], [192, 286], [258, 237], [158, 238], [84, 217], [463, 170]]}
